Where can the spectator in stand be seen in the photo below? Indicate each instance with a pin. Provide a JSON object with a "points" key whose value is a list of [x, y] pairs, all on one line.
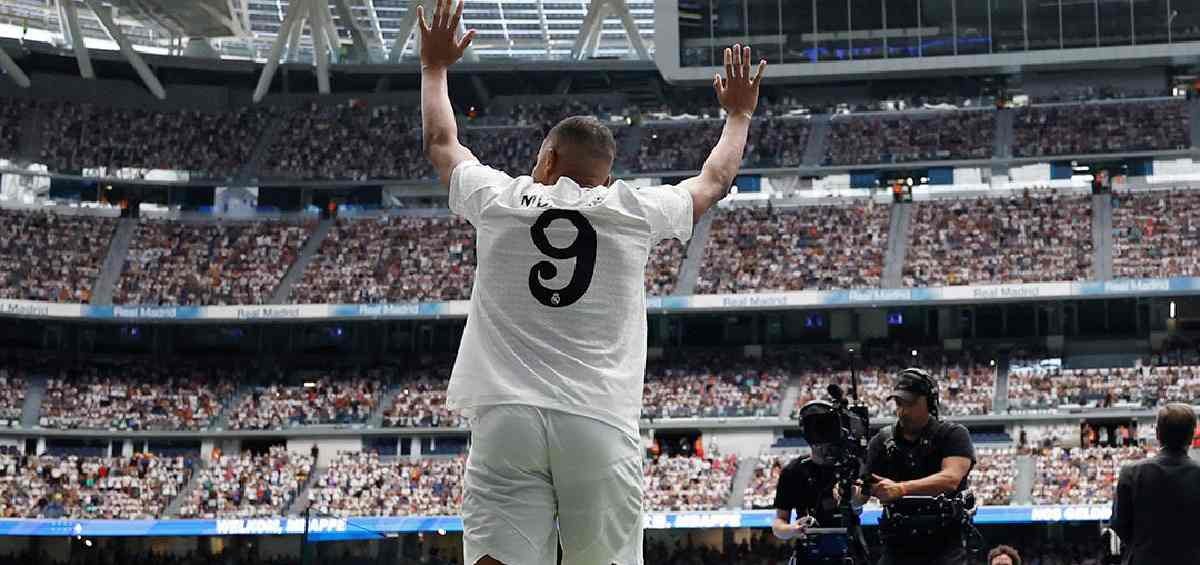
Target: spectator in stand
{"points": [[1156, 235], [391, 259], [336, 399], [1033, 238], [857, 140], [28, 272], [248, 485], [679, 146], [1081, 476], [662, 269], [136, 397], [994, 475], [209, 144], [682, 483], [711, 387], [803, 248], [1077, 129], [76, 487], [208, 264], [364, 484]]}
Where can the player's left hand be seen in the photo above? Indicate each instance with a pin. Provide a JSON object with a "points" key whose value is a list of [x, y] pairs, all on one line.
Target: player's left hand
{"points": [[886, 490], [439, 49]]}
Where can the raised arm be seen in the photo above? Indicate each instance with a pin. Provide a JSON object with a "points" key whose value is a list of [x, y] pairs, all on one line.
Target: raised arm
{"points": [[439, 50], [738, 95]]}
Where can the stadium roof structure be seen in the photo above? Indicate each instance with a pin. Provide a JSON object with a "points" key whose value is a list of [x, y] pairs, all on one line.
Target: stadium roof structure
{"points": [[247, 29]]}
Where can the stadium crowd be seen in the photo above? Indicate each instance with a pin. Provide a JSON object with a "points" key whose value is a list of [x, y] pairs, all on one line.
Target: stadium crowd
{"points": [[247, 485], [78, 487], [1039, 236], [994, 476], [803, 248], [420, 401], [364, 484], [12, 112], [351, 140], [1101, 128], [1081, 476], [391, 259], [12, 396], [1156, 234], [136, 396], [711, 386], [326, 399], [688, 482], [208, 264], [1038, 389], [77, 136], [862, 140], [965, 387], [28, 272]]}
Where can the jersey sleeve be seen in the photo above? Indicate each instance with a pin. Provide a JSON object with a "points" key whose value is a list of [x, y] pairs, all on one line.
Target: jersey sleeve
{"points": [[669, 211], [473, 186]]}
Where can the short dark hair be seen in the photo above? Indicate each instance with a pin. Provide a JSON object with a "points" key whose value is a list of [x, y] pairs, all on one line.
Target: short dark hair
{"points": [[1176, 426], [1004, 550], [588, 134]]}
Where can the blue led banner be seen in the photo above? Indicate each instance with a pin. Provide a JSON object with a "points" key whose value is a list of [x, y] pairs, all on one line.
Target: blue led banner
{"points": [[332, 529]]}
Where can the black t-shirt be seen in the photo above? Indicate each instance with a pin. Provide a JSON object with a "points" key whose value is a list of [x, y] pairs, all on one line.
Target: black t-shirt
{"points": [[807, 488], [913, 460]]}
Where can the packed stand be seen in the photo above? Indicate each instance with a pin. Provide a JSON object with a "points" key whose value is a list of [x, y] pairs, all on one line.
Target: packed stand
{"points": [[76, 487], [1030, 438], [136, 397], [247, 485], [683, 483], [327, 399], [28, 272], [208, 264], [391, 259], [12, 113], [1156, 235], [209, 144], [1081, 476], [712, 386], [544, 114], [760, 492], [363, 484], [994, 476], [352, 140], [775, 143], [861, 140], [1141, 386], [965, 387], [421, 401], [1101, 128], [662, 269], [804, 248], [12, 396], [1026, 239], [677, 147]]}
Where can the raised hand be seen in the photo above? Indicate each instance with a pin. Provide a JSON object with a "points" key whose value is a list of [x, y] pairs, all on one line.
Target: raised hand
{"points": [[738, 92], [439, 48]]}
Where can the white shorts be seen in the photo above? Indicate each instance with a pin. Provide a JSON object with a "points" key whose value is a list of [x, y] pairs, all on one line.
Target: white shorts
{"points": [[528, 466]]}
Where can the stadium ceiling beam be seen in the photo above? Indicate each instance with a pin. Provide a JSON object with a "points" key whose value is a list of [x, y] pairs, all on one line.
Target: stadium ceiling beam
{"points": [[592, 29], [545, 25], [67, 13], [132, 56], [375, 26], [295, 14], [229, 21], [362, 52], [12, 70], [318, 15]]}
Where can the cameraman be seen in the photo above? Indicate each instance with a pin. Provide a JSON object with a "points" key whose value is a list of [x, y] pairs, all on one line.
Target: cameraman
{"points": [[806, 486], [919, 456]]}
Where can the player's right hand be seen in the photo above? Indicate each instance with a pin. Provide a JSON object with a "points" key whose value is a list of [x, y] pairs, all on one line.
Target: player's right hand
{"points": [[738, 91]]}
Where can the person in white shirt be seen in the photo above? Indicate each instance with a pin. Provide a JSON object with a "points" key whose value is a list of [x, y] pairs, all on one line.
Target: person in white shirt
{"points": [[550, 368]]}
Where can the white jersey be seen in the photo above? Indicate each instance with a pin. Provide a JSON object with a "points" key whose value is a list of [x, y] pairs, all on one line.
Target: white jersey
{"points": [[558, 308]]}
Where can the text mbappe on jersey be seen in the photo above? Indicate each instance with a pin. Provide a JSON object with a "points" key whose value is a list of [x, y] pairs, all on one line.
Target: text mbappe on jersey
{"points": [[535, 201]]}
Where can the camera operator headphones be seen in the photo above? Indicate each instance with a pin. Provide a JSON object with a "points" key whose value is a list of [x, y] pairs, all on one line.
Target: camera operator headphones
{"points": [[918, 381]]}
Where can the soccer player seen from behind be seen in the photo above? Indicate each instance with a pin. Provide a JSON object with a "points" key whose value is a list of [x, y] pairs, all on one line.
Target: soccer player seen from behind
{"points": [[550, 369]]}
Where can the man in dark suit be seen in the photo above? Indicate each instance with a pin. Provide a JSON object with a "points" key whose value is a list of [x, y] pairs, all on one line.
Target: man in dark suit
{"points": [[1157, 497]]}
